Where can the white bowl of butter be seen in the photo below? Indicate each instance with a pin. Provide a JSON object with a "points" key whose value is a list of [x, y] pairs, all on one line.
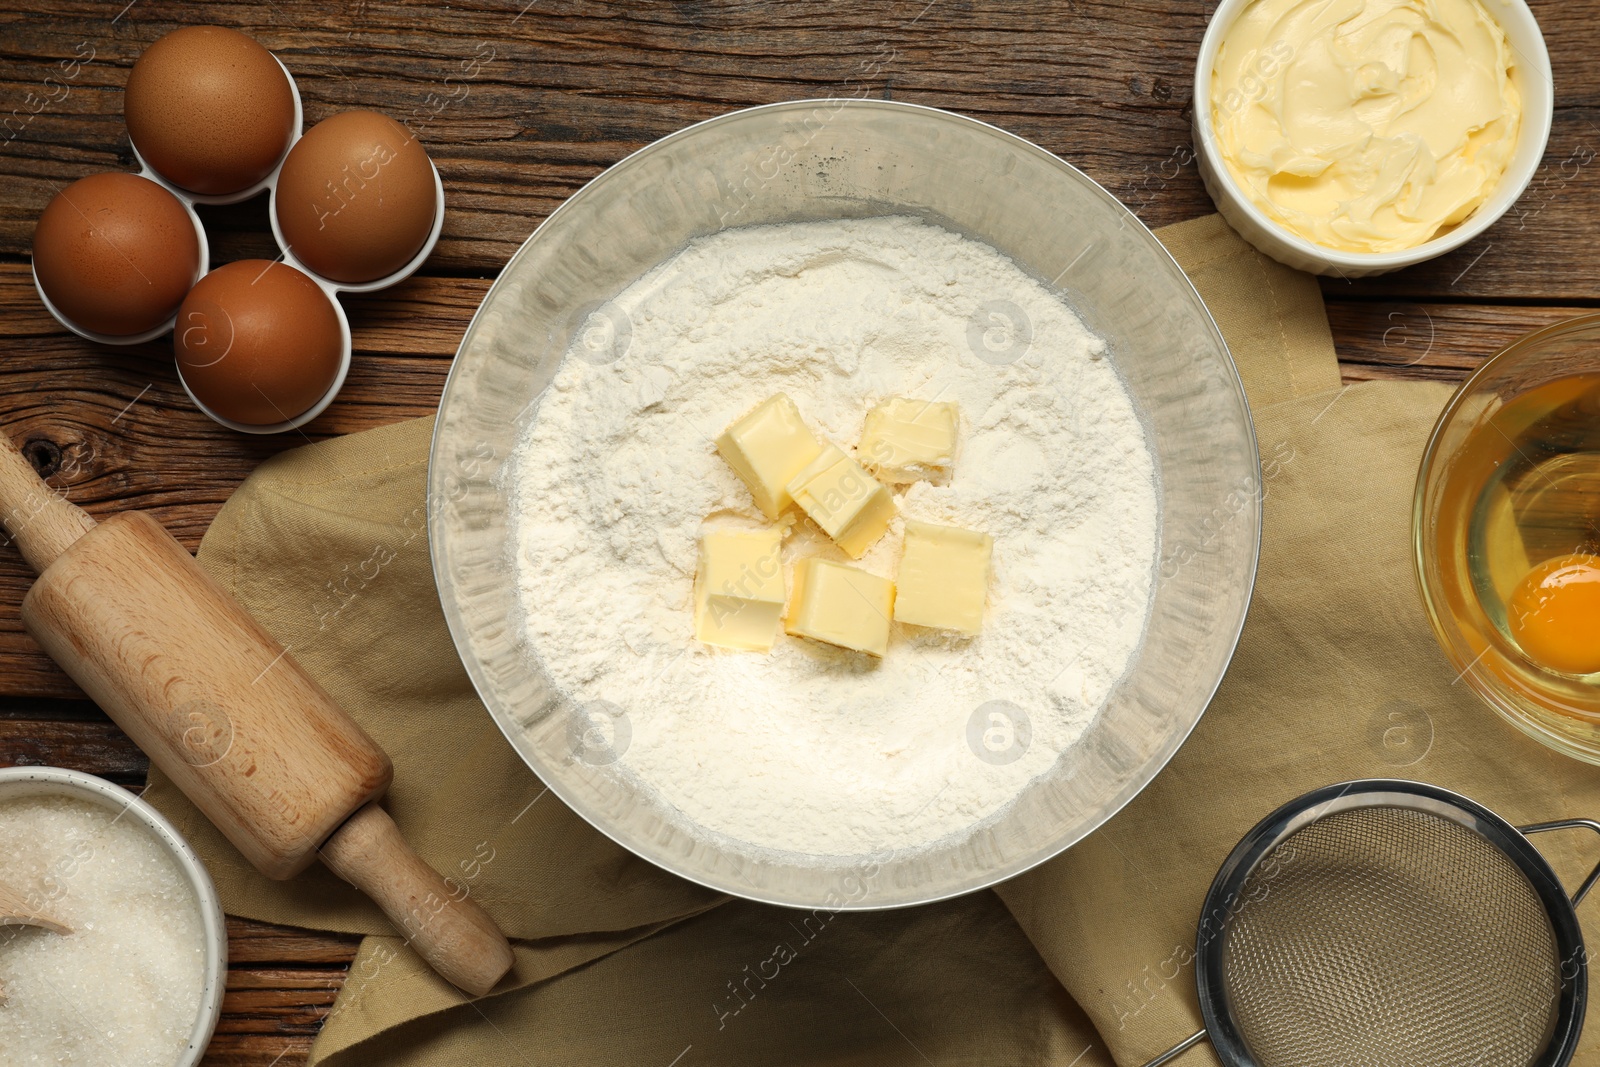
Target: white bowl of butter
{"points": [[1357, 137]]}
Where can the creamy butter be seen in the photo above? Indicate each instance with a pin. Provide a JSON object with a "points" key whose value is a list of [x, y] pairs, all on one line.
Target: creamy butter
{"points": [[767, 447], [906, 440], [943, 578], [850, 505], [1366, 125], [841, 605], [739, 590]]}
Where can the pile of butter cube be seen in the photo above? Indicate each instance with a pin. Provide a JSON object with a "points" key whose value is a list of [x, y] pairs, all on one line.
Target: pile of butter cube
{"points": [[741, 593]]}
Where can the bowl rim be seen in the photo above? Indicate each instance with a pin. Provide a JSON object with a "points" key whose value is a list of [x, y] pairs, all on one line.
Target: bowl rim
{"points": [[1217, 27], [1499, 699], [456, 622], [103, 793]]}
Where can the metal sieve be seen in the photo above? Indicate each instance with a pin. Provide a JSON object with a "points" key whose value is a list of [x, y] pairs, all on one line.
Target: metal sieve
{"points": [[1385, 922]]}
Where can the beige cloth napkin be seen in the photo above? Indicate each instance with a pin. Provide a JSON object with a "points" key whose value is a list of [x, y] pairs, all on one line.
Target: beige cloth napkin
{"points": [[324, 545], [1337, 675], [618, 962]]}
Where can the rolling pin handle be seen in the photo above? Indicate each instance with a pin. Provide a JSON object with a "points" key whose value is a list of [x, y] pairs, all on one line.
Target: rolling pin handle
{"points": [[37, 517], [447, 928]]}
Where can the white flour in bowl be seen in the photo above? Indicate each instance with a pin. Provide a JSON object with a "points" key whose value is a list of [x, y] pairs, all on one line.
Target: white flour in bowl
{"points": [[812, 749]]}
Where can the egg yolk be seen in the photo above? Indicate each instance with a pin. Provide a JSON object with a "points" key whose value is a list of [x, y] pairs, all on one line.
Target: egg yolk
{"points": [[1554, 614]]}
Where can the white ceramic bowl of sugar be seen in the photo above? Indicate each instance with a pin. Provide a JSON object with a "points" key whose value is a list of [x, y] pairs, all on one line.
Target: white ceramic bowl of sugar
{"points": [[21, 783], [1533, 79]]}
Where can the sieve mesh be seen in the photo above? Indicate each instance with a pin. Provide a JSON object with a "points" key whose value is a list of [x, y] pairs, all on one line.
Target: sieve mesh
{"points": [[1389, 937]]}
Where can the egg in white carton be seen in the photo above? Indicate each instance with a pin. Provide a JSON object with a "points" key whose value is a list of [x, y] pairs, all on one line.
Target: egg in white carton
{"points": [[197, 323]]}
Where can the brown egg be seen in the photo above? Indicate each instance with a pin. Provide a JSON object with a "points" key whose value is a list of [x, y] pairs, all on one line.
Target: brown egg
{"points": [[355, 198], [115, 253], [209, 109], [258, 342]]}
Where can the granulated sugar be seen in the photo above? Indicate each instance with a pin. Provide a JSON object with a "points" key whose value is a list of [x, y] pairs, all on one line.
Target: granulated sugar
{"points": [[124, 988], [811, 749]]}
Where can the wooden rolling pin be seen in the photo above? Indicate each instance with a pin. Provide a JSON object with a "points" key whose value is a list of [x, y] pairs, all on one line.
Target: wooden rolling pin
{"points": [[225, 713]]}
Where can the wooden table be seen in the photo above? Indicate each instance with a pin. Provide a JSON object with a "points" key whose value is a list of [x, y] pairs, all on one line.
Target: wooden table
{"points": [[519, 104]]}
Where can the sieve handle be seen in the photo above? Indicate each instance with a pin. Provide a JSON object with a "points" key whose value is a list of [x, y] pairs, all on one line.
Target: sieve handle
{"points": [[1570, 824], [1184, 1046]]}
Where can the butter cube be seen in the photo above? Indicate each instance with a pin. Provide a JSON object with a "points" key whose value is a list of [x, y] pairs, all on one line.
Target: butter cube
{"points": [[943, 578], [842, 498], [841, 605], [738, 599], [767, 447], [906, 440]]}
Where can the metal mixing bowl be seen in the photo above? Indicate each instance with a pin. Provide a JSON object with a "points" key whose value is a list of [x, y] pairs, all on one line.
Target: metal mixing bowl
{"points": [[827, 159]]}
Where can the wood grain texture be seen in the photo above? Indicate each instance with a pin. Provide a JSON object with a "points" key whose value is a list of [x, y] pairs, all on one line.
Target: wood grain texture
{"points": [[518, 109], [169, 654], [519, 106], [1430, 341], [449, 930], [38, 520], [17, 909], [112, 428], [96, 747], [281, 984], [174, 660]]}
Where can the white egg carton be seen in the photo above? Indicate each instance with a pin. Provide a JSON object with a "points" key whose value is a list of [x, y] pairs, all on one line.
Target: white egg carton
{"points": [[327, 285]]}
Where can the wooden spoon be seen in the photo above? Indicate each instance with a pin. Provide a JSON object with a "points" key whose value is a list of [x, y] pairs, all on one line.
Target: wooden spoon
{"points": [[16, 911]]}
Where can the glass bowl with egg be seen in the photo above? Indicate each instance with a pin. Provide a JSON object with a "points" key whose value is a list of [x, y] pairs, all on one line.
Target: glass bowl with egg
{"points": [[138, 979], [1507, 534], [1363, 136]]}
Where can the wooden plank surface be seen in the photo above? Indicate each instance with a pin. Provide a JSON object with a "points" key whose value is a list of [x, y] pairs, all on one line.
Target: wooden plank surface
{"points": [[521, 103]]}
